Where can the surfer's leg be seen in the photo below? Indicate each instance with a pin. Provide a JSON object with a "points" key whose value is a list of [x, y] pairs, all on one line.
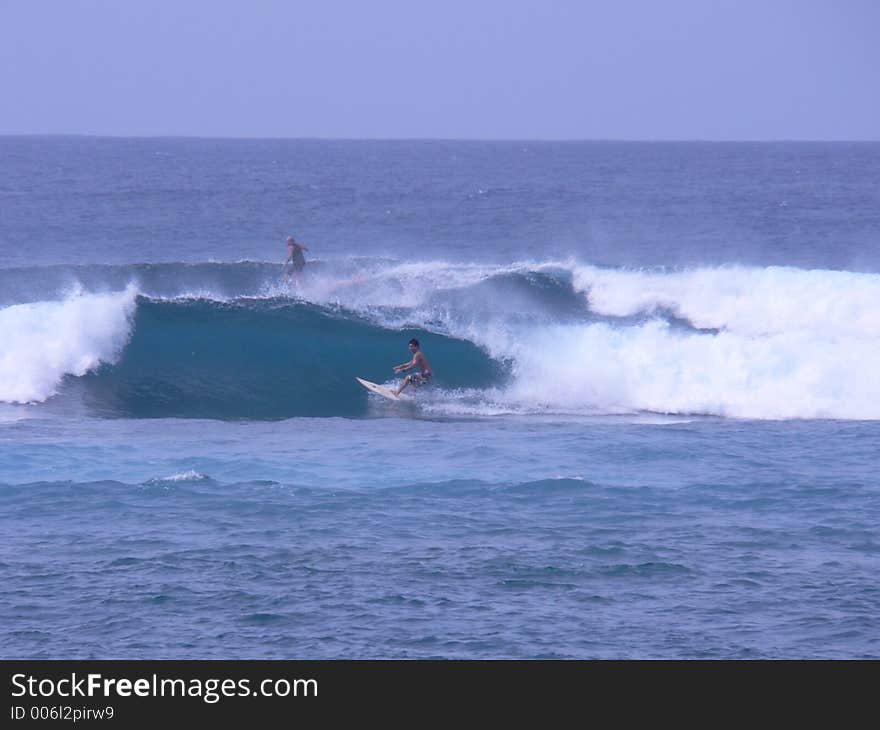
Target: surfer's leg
{"points": [[405, 382]]}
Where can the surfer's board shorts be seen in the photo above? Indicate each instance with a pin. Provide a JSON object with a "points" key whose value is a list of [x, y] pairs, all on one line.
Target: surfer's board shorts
{"points": [[417, 380]]}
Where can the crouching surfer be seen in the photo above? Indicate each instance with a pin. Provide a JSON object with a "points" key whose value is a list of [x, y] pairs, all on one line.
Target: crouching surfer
{"points": [[419, 379]]}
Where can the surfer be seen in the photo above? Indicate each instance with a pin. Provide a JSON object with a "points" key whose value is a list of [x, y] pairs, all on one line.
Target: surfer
{"points": [[295, 258], [416, 380]]}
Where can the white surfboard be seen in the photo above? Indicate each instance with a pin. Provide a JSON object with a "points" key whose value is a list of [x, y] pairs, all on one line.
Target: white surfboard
{"points": [[382, 390]]}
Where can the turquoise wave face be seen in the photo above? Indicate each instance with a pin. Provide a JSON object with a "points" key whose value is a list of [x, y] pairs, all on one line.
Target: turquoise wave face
{"points": [[264, 360]]}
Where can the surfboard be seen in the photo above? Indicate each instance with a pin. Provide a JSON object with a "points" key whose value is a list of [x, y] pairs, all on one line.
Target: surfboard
{"points": [[382, 390]]}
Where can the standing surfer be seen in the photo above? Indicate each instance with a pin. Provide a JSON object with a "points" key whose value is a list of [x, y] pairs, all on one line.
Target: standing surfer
{"points": [[295, 258]]}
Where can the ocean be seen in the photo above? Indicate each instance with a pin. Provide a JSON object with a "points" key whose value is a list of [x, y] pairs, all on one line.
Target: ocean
{"points": [[653, 431]]}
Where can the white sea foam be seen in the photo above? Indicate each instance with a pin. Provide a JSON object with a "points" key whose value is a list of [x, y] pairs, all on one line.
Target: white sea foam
{"points": [[186, 476], [653, 367], [754, 301], [44, 341]]}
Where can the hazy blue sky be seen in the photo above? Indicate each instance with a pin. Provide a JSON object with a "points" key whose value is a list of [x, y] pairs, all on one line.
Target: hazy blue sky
{"points": [[619, 69]]}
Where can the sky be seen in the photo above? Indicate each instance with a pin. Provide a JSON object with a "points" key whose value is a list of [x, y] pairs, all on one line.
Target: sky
{"points": [[450, 69]]}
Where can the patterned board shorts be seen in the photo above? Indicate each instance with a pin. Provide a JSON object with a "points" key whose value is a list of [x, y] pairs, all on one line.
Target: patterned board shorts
{"points": [[417, 380]]}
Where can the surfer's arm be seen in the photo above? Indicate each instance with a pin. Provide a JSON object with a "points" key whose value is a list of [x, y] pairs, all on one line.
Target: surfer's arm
{"points": [[405, 366]]}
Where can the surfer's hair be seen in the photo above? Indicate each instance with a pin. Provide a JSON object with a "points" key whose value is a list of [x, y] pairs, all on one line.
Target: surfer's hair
{"points": [[415, 342]]}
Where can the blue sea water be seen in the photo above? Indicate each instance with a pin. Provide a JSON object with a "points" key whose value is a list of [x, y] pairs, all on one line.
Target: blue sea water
{"points": [[653, 433]]}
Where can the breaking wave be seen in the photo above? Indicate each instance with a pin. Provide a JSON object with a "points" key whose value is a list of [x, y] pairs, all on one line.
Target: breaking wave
{"points": [[233, 341]]}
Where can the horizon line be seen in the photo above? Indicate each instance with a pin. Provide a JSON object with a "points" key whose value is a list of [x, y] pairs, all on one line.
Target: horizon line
{"points": [[529, 140]]}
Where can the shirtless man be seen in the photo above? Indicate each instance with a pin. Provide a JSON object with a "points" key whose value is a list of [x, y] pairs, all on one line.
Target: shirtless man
{"points": [[416, 380], [295, 258]]}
